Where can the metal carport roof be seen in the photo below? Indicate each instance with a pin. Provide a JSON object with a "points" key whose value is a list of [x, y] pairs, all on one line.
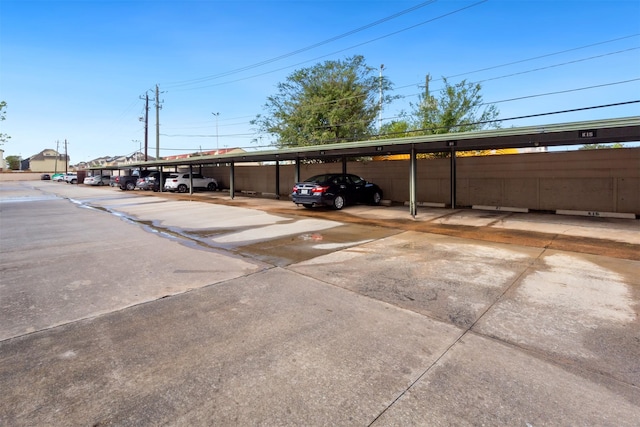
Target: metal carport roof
{"points": [[576, 133]]}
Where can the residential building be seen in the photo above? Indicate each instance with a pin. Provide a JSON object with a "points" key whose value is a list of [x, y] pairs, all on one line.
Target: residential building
{"points": [[49, 160]]}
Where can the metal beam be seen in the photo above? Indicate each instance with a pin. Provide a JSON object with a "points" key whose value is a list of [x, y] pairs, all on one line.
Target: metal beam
{"points": [[413, 165], [278, 179], [232, 174], [453, 177]]}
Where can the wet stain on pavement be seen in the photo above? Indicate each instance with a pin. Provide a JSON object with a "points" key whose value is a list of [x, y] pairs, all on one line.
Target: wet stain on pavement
{"points": [[279, 251]]}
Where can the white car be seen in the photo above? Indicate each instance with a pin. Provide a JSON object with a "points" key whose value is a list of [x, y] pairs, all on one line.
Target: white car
{"points": [[71, 178], [180, 182], [97, 180]]}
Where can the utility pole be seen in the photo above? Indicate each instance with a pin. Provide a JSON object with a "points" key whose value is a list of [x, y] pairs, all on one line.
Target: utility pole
{"points": [[427, 102], [57, 155], [380, 117], [426, 85], [217, 143], [146, 124], [158, 108], [66, 158]]}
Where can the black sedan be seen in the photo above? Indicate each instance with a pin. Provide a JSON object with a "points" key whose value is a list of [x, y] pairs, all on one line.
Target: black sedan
{"points": [[336, 190]]}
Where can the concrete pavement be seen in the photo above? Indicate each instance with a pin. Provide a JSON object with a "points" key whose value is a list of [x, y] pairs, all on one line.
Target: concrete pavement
{"points": [[354, 324]]}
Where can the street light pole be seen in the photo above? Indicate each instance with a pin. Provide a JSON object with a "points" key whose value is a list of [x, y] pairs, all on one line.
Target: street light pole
{"points": [[217, 143], [380, 112]]}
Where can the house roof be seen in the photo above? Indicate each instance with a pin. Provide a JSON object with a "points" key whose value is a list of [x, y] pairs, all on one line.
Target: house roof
{"points": [[47, 154]]}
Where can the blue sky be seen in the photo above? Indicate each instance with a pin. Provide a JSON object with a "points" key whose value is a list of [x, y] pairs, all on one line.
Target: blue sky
{"points": [[77, 70]]}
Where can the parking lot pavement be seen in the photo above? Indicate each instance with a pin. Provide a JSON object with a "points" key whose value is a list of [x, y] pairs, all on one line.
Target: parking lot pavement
{"points": [[349, 322], [272, 348], [481, 381], [62, 262]]}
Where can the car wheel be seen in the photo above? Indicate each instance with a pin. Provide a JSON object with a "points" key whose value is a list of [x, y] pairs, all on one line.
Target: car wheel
{"points": [[212, 186], [100, 184], [130, 186], [376, 198], [74, 181], [307, 205], [182, 188], [338, 202]]}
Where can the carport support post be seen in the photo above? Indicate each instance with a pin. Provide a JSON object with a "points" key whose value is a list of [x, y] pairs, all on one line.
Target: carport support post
{"points": [[232, 184], [190, 179], [278, 179], [344, 164], [453, 178], [296, 173], [413, 165], [160, 179]]}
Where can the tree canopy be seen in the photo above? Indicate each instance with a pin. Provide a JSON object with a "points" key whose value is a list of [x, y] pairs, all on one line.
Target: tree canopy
{"points": [[334, 101], [13, 162], [338, 101], [3, 136], [459, 108]]}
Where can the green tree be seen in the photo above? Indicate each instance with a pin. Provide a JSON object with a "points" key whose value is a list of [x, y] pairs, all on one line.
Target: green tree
{"points": [[459, 108], [3, 136], [13, 162], [395, 129], [331, 102]]}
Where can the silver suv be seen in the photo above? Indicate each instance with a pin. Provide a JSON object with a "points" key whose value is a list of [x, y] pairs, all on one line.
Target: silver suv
{"points": [[180, 182]]}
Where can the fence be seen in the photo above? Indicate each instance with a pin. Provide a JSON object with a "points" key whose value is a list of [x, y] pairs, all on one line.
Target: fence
{"points": [[606, 180]]}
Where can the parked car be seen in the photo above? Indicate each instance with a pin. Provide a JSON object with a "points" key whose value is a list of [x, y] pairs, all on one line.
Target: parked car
{"points": [[144, 183], [128, 182], [71, 178], [335, 190], [152, 182], [180, 182], [58, 177], [45, 177], [97, 180]]}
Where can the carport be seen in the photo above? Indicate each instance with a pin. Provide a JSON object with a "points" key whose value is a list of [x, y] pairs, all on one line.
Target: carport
{"points": [[617, 130]]}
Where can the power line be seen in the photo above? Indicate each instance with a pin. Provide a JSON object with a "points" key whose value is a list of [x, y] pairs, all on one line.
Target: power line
{"points": [[388, 118], [562, 91], [304, 49], [495, 102], [617, 104], [559, 65], [531, 59], [460, 74], [508, 64], [438, 128], [340, 51], [573, 110], [230, 135], [533, 70], [486, 103], [527, 71]]}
